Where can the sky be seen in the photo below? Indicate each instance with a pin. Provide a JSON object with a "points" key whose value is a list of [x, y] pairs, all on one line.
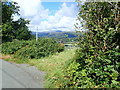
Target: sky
{"points": [[48, 15]]}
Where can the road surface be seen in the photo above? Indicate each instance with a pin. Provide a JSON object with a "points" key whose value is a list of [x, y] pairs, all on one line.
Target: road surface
{"points": [[21, 76]]}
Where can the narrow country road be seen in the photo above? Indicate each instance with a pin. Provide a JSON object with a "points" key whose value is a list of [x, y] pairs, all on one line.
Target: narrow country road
{"points": [[21, 76]]}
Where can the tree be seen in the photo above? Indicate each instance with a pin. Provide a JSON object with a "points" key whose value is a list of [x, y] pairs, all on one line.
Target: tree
{"points": [[21, 30], [13, 29], [8, 9]]}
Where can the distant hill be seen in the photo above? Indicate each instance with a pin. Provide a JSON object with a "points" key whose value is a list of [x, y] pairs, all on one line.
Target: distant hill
{"points": [[58, 31], [57, 34]]}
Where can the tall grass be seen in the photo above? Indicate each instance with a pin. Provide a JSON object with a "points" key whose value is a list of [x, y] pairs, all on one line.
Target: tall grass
{"points": [[54, 66]]}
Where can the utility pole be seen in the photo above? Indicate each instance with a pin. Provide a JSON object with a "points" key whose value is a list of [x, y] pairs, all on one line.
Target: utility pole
{"points": [[37, 34], [36, 30]]}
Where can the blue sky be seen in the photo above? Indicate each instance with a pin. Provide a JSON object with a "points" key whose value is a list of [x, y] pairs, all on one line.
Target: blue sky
{"points": [[54, 6], [48, 16]]}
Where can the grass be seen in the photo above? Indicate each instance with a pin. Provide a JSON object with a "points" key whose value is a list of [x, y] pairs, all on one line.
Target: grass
{"points": [[10, 58], [52, 62], [53, 65]]}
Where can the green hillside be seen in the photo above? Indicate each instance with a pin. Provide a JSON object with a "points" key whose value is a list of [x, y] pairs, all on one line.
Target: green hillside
{"points": [[57, 34]]}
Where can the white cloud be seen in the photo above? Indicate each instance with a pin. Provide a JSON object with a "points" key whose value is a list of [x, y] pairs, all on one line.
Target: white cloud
{"points": [[66, 11], [28, 7], [63, 19]]}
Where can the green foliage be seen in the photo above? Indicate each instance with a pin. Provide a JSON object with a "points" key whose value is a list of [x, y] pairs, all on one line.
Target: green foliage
{"points": [[20, 29], [32, 49], [12, 47], [97, 61], [13, 29], [6, 33], [41, 48], [9, 8], [91, 72]]}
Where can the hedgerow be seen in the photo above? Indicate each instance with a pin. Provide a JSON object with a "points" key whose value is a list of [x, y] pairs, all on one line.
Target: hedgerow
{"points": [[41, 48], [32, 49], [12, 47], [97, 61]]}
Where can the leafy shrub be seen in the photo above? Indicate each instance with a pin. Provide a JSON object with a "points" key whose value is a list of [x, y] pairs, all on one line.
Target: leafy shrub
{"points": [[90, 72], [32, 49], [12, 47], [97, 61], [41, 48]]}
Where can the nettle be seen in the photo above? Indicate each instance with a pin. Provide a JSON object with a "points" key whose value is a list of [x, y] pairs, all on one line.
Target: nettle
{"points": [[98, 58]]}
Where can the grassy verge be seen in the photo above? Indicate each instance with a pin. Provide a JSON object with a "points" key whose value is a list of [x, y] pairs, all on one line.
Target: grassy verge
{"points": [[53, 65], [52, 62], [10, 58]]}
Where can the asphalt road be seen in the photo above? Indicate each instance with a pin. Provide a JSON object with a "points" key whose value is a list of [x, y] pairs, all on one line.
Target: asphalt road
{"points": [[21, 76]]}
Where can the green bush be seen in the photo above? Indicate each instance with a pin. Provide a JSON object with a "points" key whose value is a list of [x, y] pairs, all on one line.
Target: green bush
{"points": [[87, 71], [97, 61], [41, 48], [12, 47], [32, 49]]}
